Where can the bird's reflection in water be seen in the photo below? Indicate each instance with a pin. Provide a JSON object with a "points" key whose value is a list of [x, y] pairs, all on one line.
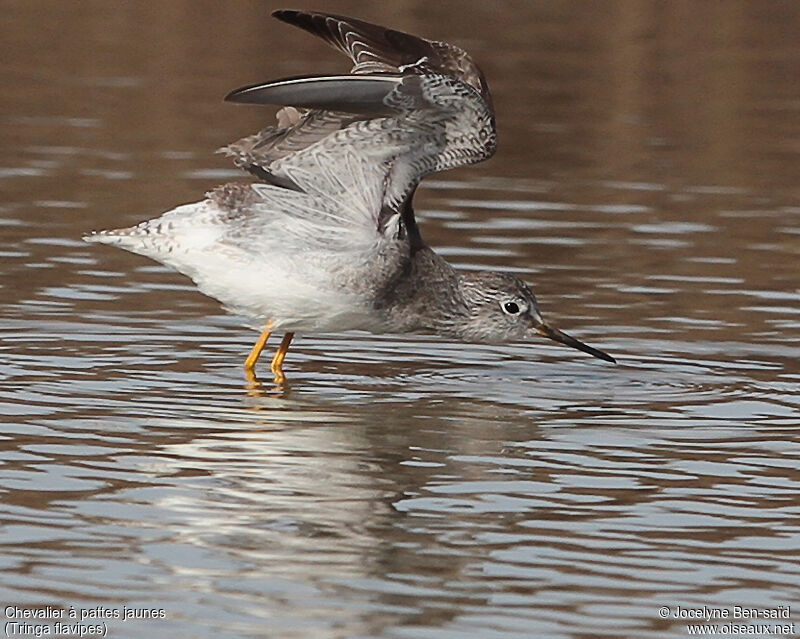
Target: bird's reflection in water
{"points": [[279, 387]]}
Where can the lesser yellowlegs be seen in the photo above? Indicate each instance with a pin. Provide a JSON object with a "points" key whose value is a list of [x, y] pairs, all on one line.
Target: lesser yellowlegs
{"points": [[327, 241]]}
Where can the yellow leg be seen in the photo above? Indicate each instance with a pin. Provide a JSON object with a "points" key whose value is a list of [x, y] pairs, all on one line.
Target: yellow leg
{"points": [[280, 355], [252, 358]]}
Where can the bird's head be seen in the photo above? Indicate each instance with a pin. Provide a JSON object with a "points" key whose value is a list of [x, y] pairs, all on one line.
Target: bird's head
{"points": [[502, 308]]}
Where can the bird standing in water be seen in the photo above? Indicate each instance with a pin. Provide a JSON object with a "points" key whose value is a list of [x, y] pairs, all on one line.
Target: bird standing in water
{"points": [[327, 241]]}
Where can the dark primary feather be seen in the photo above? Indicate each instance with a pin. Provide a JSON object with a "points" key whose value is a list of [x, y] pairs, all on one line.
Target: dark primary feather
{"points": [[363, 95], [373, 48], [377, 49]]}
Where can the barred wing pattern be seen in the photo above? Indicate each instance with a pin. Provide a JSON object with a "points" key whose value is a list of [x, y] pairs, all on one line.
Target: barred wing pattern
{"points": [[376, 50], [411, 107]]}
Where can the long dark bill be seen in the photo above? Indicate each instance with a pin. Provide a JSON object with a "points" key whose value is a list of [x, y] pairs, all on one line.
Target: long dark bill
{"points": [[556, 335]]}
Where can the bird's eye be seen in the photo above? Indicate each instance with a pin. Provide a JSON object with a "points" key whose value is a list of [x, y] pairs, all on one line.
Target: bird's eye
{"points": [[511, 308]]}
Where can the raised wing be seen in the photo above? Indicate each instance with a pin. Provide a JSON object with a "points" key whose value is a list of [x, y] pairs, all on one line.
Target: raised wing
{"points": [[411, 107], [375, 49]]}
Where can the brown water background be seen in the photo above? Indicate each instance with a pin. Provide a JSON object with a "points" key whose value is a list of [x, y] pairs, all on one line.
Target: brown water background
{"points": [[646, 184]]}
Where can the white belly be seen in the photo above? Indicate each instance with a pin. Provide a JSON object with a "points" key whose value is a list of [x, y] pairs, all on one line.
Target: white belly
{"points": [[294, 292], [264, 270]]}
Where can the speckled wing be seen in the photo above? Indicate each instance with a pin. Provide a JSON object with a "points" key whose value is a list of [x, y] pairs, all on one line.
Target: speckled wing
{"points": [[411, 107], [375, 49]]}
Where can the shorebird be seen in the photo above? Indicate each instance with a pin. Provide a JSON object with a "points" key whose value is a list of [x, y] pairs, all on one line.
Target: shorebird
{"points": [[326, 240]]}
